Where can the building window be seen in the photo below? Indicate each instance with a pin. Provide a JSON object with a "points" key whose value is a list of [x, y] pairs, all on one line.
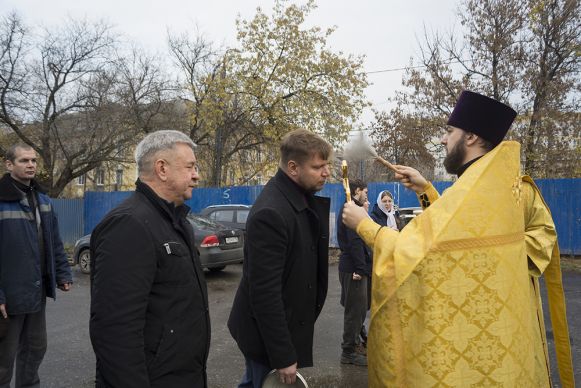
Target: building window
{"points": [[100, 177], [81, 180], [119, 177]]}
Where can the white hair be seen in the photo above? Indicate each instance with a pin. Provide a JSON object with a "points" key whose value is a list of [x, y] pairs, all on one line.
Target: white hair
{"points": [[155, 142]]}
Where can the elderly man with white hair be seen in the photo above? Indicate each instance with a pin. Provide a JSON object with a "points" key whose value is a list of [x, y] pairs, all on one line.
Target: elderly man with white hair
{"points": [[150, 325]]}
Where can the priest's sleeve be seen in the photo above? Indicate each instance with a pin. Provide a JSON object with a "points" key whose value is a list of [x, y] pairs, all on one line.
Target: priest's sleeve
{"points": [[428, 196], [540, 233]]}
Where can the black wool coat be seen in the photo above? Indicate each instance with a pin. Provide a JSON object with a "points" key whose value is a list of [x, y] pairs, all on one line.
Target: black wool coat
{"points": [[149, 325], [285, 275]]}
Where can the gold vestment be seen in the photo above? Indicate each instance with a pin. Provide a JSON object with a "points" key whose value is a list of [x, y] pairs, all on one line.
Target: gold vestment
{"points": [[455, 299]]}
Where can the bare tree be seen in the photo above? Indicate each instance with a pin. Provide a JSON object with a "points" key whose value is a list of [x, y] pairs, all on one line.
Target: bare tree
{"points": [[491, 54], [551, 87], [520, 52], [69, 93], [13, 80], [199, 65], [46, 83], [217, 122], [145, 91], [404, 139]]}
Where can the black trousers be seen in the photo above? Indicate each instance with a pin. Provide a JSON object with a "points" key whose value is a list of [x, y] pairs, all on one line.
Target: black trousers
{"points": [[25, 343], [354, 298]]}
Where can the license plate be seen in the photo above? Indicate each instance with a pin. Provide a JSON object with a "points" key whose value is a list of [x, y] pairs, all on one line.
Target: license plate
{"points": [[231, 240]]}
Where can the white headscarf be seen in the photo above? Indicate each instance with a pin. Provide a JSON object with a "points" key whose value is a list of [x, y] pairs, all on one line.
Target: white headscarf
{"points": [[389, 213]]}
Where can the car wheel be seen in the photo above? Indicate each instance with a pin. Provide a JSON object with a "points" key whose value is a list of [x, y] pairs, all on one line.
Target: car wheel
{"points": [[85, 261], [217, 269]]}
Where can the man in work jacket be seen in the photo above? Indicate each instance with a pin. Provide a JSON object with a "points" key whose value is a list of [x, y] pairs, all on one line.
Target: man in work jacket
{"points": [[32, 264]]}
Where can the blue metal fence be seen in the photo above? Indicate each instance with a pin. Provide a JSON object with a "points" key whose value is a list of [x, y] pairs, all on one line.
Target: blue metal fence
{"points": [[71, 220], [562, 195], [98, 204]]}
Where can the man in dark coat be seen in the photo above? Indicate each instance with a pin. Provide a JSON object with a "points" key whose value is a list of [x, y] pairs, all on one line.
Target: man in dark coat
{"points": [[150, 325], [33, 264], [285, 273], [354, 275]]}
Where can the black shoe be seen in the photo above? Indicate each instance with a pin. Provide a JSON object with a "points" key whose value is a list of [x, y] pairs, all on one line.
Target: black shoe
{"points": [[353, 358]]}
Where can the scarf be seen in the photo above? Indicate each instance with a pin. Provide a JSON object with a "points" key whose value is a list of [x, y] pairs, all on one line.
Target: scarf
{"points": [[389, 213]]}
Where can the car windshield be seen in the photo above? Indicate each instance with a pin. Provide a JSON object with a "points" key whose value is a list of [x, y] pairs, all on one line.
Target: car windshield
{"points": [[202, 223]]}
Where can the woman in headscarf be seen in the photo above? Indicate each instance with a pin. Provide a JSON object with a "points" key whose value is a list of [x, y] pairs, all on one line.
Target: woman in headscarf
{"points": [[384, 212]]}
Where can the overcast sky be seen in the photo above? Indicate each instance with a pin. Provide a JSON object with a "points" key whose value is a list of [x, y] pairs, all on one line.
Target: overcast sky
{"points": [[385, 31]]}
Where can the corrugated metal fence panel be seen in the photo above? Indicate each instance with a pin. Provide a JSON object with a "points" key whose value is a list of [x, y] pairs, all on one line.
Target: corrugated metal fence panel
{"points": [[337, 195], [70, 218], [242, 195], [562, 195], [98, 204], [564, 198]]}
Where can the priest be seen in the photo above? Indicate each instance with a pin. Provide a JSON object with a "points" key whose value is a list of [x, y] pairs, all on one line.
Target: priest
{"points": [[455, 299]]}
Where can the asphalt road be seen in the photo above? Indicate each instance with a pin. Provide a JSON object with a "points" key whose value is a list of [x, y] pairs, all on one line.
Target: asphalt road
{"points": [[70, 362]]}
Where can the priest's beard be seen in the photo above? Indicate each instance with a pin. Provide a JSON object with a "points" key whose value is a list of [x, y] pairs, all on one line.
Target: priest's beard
{"points": [[455, 158]]}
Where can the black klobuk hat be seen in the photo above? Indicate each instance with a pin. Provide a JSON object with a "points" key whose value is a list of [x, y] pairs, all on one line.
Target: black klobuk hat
{"points": [[483, 116]]}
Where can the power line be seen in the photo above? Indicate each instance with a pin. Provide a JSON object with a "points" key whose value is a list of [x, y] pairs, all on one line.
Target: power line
{"points": [[448, 62], [395, 69]]}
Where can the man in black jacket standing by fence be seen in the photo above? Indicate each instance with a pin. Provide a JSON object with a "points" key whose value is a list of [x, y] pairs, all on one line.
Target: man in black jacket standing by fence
{"points": [[354, 275], [150, 325], [285, 273]]}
